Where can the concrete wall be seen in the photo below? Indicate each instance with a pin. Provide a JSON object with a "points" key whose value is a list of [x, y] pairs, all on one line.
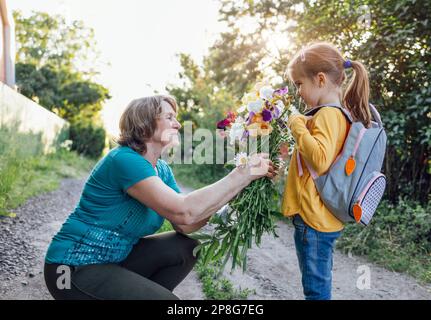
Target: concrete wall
{"points": [[28, 116]]}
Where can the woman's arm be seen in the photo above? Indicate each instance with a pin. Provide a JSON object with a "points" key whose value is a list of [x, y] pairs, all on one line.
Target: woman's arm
{"points": [[190, 228], [202, 203]]}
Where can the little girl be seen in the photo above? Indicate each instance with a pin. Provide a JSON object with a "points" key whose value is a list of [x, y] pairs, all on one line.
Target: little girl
{"points": [[318, 74]]}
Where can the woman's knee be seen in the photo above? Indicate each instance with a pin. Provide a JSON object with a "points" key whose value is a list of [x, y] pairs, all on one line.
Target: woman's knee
{"points": [[188, 245]]}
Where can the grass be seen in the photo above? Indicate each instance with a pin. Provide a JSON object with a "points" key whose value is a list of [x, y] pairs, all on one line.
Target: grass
{"points": [[26, 172], [398, 238], [43, 174], [218, 288]]}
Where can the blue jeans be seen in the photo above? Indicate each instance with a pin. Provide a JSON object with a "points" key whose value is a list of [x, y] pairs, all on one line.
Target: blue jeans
{"points": [[314, 250]]}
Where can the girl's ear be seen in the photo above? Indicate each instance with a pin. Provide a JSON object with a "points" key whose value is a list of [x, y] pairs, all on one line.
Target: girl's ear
{"points": [[321, 79]]}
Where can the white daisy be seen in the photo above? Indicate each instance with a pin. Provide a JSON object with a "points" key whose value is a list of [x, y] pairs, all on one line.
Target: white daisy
{"points": [[241, 159]]}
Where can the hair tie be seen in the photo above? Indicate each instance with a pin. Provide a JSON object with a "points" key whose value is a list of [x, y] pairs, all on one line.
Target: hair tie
{"points": [[347, 64]]}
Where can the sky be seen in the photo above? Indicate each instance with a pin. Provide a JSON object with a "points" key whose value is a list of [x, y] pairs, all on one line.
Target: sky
{"points": [[139, 39]]}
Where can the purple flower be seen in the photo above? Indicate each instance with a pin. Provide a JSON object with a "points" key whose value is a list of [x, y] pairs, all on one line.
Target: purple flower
{"points": [[244, 135], [266, 115], [281, 91], [250, 117], [276, 113]]}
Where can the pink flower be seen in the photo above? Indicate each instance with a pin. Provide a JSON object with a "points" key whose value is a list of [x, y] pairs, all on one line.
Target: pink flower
{"points": [[223, 124]]}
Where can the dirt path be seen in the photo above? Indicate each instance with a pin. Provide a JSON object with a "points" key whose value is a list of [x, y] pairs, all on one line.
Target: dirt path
{"points": [[273, 272]]}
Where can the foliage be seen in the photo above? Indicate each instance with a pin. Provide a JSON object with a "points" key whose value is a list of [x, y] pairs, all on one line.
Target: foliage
{"points": [[399, 238], [61, 91], [56, 62], [88, 139], [201, 102], [232, 63], [25, 171], [392, 38], [44, 39], [216, 288]]}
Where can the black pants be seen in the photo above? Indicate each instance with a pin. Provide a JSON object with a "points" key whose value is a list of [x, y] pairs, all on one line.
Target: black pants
{"points": [[155, 266]]}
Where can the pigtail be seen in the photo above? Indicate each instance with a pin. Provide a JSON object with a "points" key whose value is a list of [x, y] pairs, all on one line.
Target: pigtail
{"points": [[357, 94]]}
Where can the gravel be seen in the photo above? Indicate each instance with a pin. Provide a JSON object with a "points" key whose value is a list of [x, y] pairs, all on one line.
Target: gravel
{"points": [[24, 240]]}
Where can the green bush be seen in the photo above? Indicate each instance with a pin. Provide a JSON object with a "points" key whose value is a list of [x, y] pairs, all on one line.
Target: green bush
{"points": [[88, 139], [398, 238]]}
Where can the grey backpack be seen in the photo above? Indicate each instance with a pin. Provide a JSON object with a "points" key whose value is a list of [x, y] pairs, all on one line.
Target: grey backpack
{"points": [[353, 186]]}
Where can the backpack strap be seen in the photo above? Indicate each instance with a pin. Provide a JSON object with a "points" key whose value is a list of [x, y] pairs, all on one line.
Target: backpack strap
{"points": [[376, 115], [313, 173], [374, 112], [346, 112], [311, 112]]}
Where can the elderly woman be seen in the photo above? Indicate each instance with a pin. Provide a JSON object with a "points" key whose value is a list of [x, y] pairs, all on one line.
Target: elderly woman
{"points": [[107, 249]]}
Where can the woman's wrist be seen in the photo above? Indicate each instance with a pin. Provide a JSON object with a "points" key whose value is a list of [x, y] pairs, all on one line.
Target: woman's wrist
{"points": [[241, 175]]}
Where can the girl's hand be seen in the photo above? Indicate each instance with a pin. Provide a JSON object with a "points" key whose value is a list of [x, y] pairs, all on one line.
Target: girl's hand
{"points": [[296, 117]]}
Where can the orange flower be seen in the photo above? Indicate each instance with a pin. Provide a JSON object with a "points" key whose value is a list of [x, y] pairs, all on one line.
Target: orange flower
{"points": [[259, 129], [257, 118], [253, 129], [265, 129]]}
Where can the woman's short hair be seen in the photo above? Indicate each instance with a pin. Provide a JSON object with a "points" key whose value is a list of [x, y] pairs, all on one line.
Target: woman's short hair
{"points": [[138, 121]]}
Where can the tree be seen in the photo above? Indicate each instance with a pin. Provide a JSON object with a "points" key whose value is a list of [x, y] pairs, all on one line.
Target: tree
{"points": [[392, 38], [55, 66], [48, 39]]}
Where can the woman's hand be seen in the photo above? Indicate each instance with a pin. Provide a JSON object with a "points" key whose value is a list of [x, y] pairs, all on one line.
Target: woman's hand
{"points": [[258, 166]]}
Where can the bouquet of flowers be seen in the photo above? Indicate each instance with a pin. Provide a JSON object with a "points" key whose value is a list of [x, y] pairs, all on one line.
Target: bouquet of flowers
{"points": [[258, 124]]}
